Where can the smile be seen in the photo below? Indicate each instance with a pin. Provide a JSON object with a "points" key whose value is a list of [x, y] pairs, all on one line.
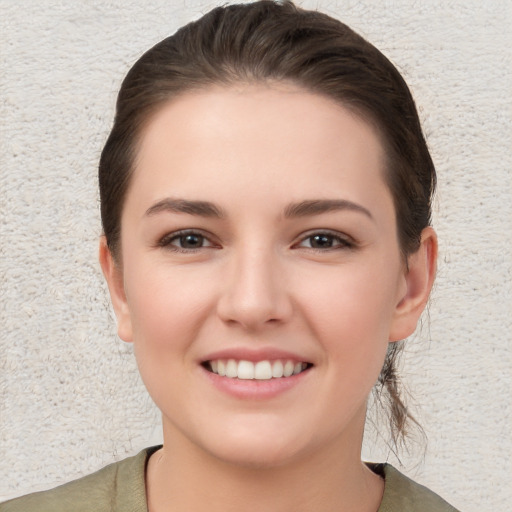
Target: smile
{"points": [[260, 370]]}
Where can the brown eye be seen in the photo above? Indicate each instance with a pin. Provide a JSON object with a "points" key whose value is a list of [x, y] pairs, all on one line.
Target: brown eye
{"points": [[321, 241], [326, 241], [185, 241], [189, 241]]}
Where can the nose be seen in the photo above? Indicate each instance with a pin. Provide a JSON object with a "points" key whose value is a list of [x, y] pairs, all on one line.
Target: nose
{"points": [[255, 294]]}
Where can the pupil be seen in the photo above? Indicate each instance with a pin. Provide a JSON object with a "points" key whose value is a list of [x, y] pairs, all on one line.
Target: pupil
{"points": [[191, 241], [322, 241]]}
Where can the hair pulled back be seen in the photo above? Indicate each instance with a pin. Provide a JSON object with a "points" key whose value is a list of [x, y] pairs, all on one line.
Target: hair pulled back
{"points": [[269, 41]]}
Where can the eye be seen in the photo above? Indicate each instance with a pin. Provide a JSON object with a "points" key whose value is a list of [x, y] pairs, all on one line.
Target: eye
{"points": [[185, 241], [189, 241], [325, 241]]}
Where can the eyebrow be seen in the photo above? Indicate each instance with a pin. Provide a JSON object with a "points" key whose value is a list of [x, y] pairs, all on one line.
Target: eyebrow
{"points": [[319, 206], [300, 209], [201, 208]]}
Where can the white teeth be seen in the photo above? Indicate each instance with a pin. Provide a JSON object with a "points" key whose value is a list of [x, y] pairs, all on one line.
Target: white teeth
{"points": [[288, 368], [231, 369], [277, 369], [262, 370], [245, 370]]}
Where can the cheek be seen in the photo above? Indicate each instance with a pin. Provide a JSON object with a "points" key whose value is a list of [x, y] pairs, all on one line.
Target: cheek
{"points": [[361, 298], [166, 313], [165, 307], [351, 315], [169, 306]]}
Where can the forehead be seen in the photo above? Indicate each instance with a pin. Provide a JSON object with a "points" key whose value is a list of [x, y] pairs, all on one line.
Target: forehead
{"points": [[275, 137], [273, 104]]}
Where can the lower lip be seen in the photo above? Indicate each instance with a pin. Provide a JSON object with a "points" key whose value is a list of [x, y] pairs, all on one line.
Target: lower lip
{"points": [[252, 389]]}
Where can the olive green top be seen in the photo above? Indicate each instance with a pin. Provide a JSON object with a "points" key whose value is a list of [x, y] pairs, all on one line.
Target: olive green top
{"points": [[120, 487]]}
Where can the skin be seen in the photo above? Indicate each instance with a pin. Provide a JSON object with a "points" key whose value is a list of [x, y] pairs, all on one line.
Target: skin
{"points": [[257, 280]]}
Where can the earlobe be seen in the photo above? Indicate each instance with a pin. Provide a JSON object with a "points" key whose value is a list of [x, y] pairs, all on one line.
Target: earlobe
{"points": [[419, 279], [114, 276]]}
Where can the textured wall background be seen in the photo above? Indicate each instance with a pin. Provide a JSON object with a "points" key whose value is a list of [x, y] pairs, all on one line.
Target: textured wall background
{"points": [[70, 397]]}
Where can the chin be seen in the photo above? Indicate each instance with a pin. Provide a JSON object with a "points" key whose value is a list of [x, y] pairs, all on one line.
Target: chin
{"points": [[258, 448], [256, 457]]}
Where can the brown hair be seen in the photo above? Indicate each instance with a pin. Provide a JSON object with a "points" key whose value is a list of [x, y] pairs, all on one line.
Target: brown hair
{"points": [[270, 41]]}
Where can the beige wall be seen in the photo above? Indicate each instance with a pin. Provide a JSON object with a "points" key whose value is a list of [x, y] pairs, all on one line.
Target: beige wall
{"points": [[70, 397]]}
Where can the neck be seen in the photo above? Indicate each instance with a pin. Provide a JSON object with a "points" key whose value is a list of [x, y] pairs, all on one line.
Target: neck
{"points": [[181, 477]]}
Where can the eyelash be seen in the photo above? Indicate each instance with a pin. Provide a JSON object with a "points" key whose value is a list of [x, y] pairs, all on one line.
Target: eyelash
{"points": [[339, 241], [167, 241]]}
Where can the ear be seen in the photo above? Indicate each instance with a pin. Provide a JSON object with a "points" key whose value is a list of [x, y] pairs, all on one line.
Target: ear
{"points": [[419, 278], [114, 276]]}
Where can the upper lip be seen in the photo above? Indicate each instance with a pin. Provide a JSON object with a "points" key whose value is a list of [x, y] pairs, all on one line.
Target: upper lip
{"points": [[255, 355]]}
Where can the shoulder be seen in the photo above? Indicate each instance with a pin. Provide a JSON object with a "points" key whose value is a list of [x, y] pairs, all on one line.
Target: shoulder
{"points": [[401, 494], [117, 487]]}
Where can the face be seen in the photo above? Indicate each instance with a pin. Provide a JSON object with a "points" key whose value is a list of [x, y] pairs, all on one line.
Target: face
{"points": [[259, 240]]}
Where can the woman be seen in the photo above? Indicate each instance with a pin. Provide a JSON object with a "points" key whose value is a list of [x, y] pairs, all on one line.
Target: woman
{"points": [[265, 198]]}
